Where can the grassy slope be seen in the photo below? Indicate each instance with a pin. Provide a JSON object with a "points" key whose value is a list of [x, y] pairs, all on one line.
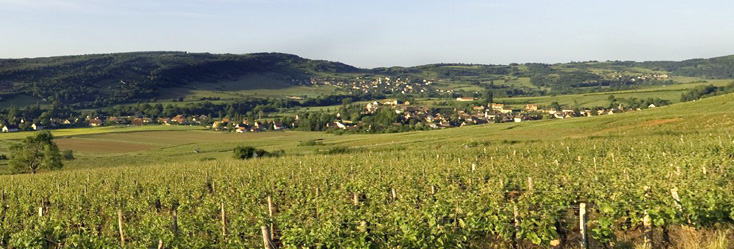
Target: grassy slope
{"points": [[671, 93], [151, 145]]}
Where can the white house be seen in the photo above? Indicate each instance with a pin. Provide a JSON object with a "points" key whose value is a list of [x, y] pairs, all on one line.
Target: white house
{"points": [[278, 126], [10, 128], [340, 125], [37, 127]]}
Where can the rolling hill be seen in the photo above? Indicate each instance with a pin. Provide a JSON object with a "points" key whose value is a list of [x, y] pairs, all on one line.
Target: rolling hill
{"points": [[497, 185], [105, 79], [97, 80]]}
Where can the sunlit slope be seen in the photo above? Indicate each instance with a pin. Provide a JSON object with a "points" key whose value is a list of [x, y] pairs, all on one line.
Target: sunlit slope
{"points": [[468, 184], [707, 115]]}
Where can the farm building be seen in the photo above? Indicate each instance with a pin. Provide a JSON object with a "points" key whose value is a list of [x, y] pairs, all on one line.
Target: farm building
{"points": [[10, 128], [531, 107], [463, 99], [137, 122], [96, 122]]}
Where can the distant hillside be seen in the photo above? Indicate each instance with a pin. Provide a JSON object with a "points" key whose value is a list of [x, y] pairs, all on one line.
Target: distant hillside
{"points": [[713, 68], [113, 78], [106, 79]]}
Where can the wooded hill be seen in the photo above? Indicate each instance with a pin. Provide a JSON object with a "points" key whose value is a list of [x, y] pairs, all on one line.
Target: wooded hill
{"points": [[106, 79], [103, 79]]}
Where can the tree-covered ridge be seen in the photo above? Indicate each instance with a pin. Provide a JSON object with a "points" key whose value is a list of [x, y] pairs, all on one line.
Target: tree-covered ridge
{"points": [[96, 80], [713, 68], [105, 79]]}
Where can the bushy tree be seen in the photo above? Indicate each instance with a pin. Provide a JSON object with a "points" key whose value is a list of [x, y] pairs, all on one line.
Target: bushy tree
{"points": [[246, 152], [35, 152], [68, 155]]}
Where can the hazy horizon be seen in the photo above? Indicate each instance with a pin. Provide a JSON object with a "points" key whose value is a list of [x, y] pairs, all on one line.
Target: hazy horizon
{"points": [[375, 33]]}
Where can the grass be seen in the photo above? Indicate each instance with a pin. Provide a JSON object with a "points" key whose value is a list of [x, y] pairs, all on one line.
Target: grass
{"points": [[253, 85], [113, 146], [100, 130], [165, 169], [671, 93]]}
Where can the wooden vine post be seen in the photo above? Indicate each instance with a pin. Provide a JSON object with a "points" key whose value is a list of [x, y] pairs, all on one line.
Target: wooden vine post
{"points": [[224, 223], [530, 184], [270, 214], [647, 227], [647, 222], [582, 226], [516, 224], [267, 242], [119, 224], [270, 206], [175, 222]]}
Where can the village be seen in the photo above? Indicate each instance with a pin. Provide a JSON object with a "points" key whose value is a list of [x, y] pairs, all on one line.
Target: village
{"points": [[426, 117], [380, 84]]}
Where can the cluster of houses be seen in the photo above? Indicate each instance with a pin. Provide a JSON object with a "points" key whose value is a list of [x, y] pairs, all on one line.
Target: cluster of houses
{"points": [[16, 128], [139, 121], [247, 125], [223, 124], [643, 78], [364, 85], [479, 114]]}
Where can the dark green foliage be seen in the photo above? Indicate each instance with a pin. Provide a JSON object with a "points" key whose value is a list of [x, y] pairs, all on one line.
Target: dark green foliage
{"points": [[35, 152], [313, 142], [104, 79], [706, 91], [715, 68], [68, 155], [638, 103], [555, 106], [247, 152]]}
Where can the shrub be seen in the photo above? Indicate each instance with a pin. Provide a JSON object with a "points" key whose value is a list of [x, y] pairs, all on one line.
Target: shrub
{"points": [[312, 142], [68, 155], [247, 152]]}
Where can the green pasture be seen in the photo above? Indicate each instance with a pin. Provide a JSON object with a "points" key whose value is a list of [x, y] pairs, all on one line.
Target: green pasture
{"points": [[668, 92]]}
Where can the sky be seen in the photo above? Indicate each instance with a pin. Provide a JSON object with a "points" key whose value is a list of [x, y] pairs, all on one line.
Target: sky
{"points": [[375, 33]]}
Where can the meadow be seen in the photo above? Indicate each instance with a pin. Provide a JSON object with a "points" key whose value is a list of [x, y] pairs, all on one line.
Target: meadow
{"points": [[671, 93]]}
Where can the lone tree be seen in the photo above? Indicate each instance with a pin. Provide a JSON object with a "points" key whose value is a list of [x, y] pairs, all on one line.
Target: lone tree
{"points": [[246, 152], [35, 152]]}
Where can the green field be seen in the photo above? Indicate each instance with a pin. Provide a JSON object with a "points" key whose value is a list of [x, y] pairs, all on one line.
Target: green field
{"points": [[672, 93], [252, 85], [485, 186]]}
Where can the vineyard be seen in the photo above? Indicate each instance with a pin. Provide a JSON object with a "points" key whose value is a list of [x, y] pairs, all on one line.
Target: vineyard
{"points": [[477, 195], [659, 179]]}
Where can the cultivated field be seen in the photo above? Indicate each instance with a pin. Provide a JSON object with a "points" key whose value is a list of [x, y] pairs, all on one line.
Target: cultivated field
{"points": [[663, 174]]}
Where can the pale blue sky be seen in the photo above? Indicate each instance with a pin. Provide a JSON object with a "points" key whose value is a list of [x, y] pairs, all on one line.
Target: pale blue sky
{"points": [[377, 32]]}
